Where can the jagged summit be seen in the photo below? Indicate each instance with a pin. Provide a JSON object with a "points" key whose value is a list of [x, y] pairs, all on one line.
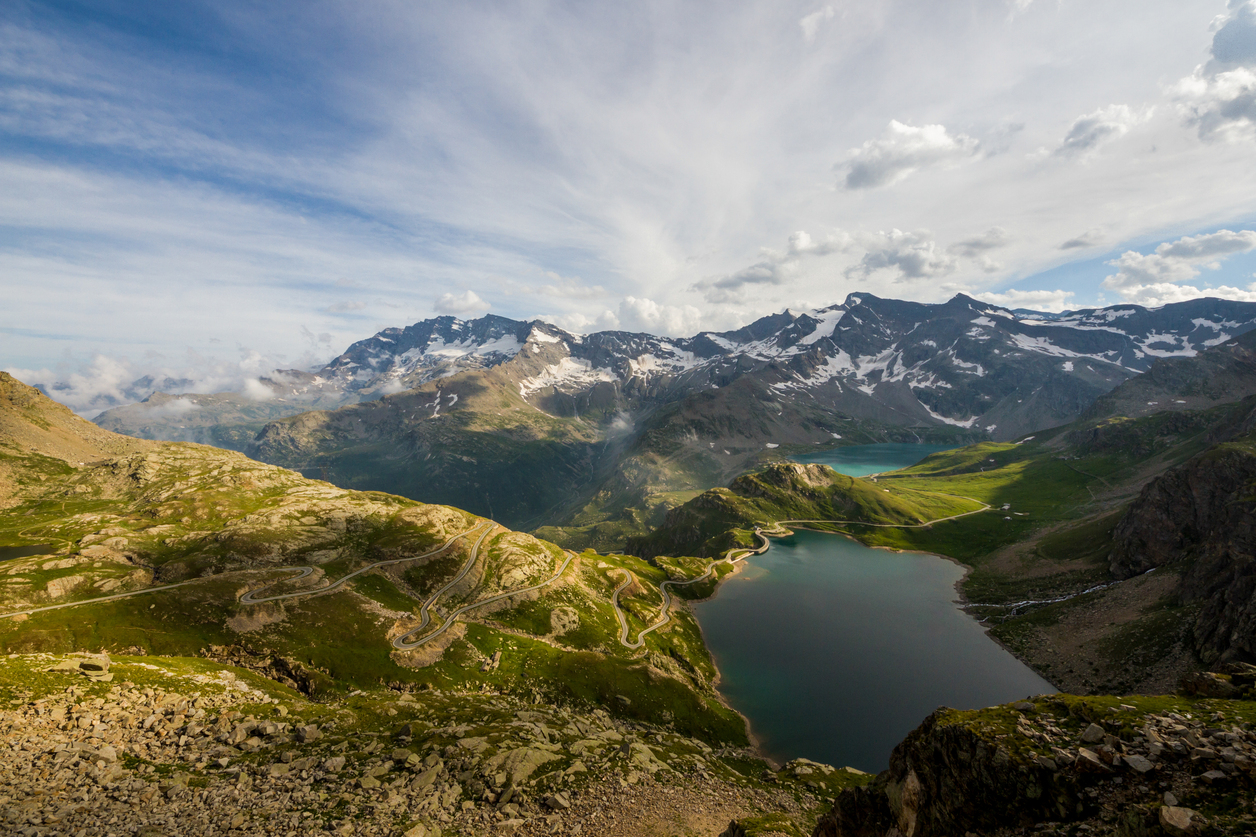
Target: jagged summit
{"points": [[865, 343]]}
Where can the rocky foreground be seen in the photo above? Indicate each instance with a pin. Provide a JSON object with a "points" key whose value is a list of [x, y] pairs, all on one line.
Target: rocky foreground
{"points": [[190, 747], [1067, 765]]}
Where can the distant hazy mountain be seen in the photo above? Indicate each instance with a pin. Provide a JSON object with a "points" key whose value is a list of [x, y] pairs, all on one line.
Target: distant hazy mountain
{"points": [[530, 422]]}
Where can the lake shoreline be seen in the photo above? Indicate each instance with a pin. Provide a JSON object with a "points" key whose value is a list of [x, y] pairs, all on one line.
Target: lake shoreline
{"points": [[807, 664]]}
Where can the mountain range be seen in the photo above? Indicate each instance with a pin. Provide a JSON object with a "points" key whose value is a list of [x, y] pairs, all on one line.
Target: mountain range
{"points": [[602, 433], [1112, 553]]}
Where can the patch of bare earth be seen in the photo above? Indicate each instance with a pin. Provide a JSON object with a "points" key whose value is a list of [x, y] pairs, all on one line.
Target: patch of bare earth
{"points": [[1074, 656]]}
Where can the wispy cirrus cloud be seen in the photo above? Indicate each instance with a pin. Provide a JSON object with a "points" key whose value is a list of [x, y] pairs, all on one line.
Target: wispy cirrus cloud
{"points": [[249, 173]]}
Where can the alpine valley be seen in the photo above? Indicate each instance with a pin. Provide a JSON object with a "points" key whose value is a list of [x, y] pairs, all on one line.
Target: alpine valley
{"points": [[328, 619], [595, 437]]}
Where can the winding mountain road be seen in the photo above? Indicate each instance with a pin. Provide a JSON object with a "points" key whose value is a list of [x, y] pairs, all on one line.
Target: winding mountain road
{"points": [[665, 610], [404, 644], [99, 599], [251, 596]]}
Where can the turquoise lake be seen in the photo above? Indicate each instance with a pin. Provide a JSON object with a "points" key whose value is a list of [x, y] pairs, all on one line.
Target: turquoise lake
{"points": [[836, 651], [858, 460]]}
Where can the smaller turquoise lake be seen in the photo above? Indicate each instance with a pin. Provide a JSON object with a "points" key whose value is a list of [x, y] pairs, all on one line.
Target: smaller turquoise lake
{"points": [[836, 651], [858, 460]]}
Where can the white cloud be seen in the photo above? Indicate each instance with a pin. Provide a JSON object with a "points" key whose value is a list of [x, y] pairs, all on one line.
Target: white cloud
{"points": [[811, 23], [913, 255], [647, 315], [1054, 301], [1157, 278], [1221, 105], [1219, 98], [569, 287], [256, 390], [775, 268], [1234, 43], [467, 302], [345, 307], [578, 322], [174, 408], [1088, 133], [107, 381], [902, 150]]}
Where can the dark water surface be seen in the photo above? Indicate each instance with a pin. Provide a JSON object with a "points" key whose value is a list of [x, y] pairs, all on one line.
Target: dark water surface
{"points": [[836, 651], [10, 552]]}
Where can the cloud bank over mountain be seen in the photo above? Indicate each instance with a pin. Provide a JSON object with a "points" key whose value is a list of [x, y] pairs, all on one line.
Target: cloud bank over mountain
{"points": [[196, 177]]}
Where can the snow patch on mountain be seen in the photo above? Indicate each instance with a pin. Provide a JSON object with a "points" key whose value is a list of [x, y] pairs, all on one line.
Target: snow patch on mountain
{"points": [[828, 322], [568, 373]]}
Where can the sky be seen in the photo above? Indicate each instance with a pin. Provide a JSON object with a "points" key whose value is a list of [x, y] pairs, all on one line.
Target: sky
{"points": [[213, 190]]}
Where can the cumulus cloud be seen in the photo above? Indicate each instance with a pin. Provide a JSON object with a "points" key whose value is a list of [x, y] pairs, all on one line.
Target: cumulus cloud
{"points": [[1090, 238], [105, 382], [1157, 278], [903, 150], [1093, 130], [1054, 301], [913, 255], [459, 305], [1234, 43], [640, 314], [577, 322], [811, 23], [775, 268], [1219, 98]]}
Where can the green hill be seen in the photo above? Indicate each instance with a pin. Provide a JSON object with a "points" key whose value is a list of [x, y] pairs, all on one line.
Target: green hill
{"points": [[815, 495]]}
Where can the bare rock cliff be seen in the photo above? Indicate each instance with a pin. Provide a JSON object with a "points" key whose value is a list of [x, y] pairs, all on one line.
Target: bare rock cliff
{"points": [[1201, 517]]}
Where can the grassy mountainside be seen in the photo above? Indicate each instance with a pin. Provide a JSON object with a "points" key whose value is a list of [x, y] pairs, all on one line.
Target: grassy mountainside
{"points": [[1041, 575], [90, 514], [722, 518], [1063, 503], [469, 441]]}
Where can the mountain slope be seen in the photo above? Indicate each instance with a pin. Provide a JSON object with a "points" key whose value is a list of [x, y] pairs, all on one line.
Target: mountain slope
{"points": [[1080, 514], [604, 432], [110, 542]]}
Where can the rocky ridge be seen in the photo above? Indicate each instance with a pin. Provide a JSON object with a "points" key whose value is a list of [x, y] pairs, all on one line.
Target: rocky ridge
{"points": [[533, 425], [1064, 765], [188, 748]]}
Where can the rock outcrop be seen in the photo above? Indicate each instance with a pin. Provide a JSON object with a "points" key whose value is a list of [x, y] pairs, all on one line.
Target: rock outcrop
{"points": [[1060, 765], [1203, 515]]}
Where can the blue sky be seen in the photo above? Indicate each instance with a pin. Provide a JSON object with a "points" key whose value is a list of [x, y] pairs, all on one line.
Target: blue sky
{"points": [[214, 190]]}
